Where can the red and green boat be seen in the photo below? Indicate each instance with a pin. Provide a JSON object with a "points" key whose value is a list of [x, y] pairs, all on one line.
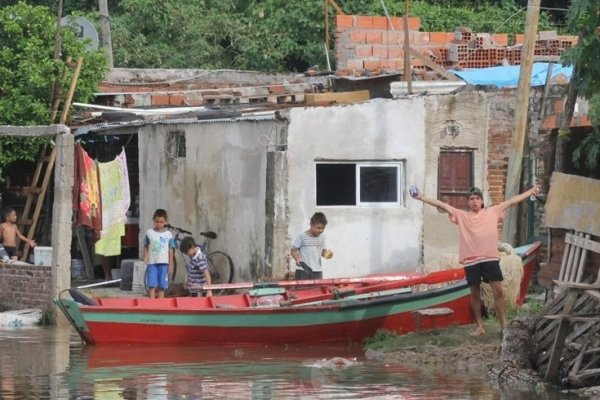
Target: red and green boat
{"points": [[286, 312]]}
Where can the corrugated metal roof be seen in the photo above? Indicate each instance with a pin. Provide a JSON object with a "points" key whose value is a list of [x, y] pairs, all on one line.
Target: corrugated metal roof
{"points": [[114, 126]]}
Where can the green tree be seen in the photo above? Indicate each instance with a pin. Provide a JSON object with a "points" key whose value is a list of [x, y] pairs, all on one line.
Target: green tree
{"points": [[270, 35], [584, 17], [28, 70], [176, 33], [504, 16], [281, 37]]}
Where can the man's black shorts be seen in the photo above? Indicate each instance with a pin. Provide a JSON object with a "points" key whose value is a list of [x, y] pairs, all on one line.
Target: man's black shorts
{"points": [[487, 271]]}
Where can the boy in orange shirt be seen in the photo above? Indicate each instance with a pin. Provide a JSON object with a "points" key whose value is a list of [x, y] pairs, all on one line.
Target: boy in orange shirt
{"points": [[478, 246]]}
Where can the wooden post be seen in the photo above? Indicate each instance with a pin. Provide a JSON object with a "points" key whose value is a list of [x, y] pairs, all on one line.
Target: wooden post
{"points": [[326, 15], [407, 66], [513, 175], [71, 92], [338, 9], [561, 334]]}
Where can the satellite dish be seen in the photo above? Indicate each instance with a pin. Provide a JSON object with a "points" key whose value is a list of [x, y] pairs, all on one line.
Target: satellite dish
{"points": [[83, 29]]}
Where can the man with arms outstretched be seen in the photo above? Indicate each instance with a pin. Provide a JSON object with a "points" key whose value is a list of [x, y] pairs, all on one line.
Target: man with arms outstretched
{"points": [[478, 246]]}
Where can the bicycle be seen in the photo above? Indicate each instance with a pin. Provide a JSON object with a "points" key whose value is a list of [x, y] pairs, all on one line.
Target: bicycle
{"points": [[220, 264]]}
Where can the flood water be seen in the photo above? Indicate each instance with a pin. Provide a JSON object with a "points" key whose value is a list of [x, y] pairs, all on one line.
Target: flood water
{"points": [[52, 363]]}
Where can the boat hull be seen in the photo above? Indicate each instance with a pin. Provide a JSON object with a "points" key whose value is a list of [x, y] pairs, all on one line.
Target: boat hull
{"points": [[347, 321], [333, 312]]}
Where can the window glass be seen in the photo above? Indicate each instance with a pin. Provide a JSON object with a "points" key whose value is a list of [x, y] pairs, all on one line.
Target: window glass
{"points": [[378, 184], [336, 184], [359, 183]]}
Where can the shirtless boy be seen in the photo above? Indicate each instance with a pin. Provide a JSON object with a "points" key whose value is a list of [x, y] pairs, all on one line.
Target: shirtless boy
{"points": [[9, 232]]}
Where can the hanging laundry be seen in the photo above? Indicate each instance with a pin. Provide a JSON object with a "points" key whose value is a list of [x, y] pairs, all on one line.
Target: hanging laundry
{"points": [[86, 192], [122, 158], [113, 211]]}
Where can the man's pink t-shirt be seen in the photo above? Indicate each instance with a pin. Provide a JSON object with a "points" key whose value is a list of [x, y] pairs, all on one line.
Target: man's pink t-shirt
{"points": [[478, 232]]}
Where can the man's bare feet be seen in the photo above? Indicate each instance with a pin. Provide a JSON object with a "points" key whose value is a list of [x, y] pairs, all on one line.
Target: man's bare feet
{"points": [[477, 332]]}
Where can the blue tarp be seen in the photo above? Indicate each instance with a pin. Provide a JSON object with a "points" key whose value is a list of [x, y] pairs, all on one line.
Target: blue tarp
{"points": [[509, 76]]}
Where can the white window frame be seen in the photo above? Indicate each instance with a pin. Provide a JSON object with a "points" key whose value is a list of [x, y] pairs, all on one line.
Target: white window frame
{"points": [[400, 182]]}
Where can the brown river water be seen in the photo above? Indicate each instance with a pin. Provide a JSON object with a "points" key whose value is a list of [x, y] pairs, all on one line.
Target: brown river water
{"points": [[52, 363]]}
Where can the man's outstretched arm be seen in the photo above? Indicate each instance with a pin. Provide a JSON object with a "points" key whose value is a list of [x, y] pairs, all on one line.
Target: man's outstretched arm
{"points": [[535, 190], [434, 202]]}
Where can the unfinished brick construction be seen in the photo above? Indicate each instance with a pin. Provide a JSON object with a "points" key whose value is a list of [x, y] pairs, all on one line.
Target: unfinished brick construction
{"points": [[371, 45]]}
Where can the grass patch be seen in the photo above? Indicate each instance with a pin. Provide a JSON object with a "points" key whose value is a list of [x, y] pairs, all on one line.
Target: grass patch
{"points": [[387, 341], [48, 316], [530, 307]]}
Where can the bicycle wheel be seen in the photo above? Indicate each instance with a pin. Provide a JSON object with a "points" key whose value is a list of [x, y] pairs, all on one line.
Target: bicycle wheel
{"points": [[180, 269], [146, 280], [220, 267]]}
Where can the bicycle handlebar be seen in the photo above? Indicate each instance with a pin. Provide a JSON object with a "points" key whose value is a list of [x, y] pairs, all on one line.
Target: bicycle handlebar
{"points": [[169, 226], [207, 234]]}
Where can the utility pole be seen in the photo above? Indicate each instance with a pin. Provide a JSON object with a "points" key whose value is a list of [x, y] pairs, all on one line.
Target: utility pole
{"points": [[515, 162], [105, 31]]}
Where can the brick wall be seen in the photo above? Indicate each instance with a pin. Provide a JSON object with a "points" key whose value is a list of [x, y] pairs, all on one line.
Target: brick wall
{"points": [[371, 45], [131, 96], [24, 286], [374, 43], [131, 87]]}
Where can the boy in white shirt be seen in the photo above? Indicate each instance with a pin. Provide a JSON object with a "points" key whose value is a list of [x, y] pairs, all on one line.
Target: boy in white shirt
{"points": [[159, 248]]}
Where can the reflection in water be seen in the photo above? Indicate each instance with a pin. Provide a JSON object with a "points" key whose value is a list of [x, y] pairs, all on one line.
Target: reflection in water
{"points": [[52, 363]]}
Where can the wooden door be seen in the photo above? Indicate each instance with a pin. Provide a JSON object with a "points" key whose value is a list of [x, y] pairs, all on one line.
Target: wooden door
{"points": [[455, 177]]}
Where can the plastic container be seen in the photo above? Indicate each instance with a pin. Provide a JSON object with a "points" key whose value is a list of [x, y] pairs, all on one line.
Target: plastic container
{"points": [[42, 255], [139, 274], [115, 273], [3, 254], [77, 269]]}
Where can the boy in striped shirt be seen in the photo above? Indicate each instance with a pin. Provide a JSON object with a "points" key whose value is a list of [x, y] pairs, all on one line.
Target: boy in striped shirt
{"points": [[198, 273], [309, 247]]}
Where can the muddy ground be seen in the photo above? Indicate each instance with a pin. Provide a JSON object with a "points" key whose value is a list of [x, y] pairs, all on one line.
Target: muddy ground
{"points": [[452, 346], [500, 358]]}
